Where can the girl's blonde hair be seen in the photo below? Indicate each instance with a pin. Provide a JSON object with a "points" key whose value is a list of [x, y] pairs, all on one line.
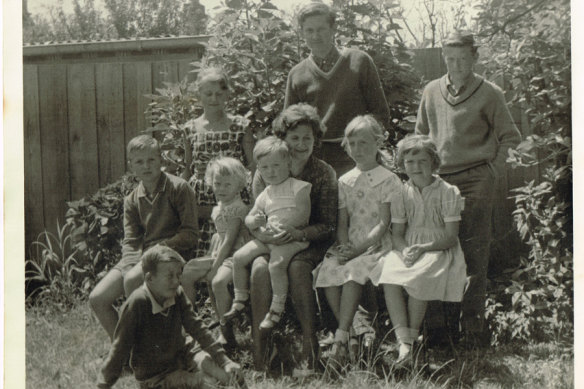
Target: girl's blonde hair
{"points": [[226, 166], [268, 145], [212, 74], [414, 144], [369, 124]]}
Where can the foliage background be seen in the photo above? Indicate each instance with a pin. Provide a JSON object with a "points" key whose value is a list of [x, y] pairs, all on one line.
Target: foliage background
{"points": [[527, 44]]}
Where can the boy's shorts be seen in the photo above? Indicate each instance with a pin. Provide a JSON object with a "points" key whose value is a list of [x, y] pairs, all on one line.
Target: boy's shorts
{"points": [[186, 372]]}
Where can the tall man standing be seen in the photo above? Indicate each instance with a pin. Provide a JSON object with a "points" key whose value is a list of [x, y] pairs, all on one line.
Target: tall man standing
{"points": [[340, 83], [468, 119]]}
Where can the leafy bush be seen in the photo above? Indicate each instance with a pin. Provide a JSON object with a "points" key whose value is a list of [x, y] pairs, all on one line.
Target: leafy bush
{"points": [[257, 45], [66, 266], [54, 276], [530, 45]]}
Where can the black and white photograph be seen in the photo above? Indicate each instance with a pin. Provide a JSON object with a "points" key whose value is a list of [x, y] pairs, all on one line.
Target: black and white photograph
{"points": [[291, 193]]}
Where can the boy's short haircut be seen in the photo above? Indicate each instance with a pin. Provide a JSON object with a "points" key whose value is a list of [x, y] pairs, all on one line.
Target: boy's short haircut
{"points": [[417, 143], [212, 74], [269, 145], [142, 142], [159, 254], [461, 39], [226, 166], [316, 8]]}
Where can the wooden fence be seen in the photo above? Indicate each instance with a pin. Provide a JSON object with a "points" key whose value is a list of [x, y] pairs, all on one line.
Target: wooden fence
{"points": [[84, 101], [82, 104]]}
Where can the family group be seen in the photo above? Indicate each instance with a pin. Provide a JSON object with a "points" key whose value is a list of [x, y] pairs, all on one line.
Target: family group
{"points": [[297, 231]]}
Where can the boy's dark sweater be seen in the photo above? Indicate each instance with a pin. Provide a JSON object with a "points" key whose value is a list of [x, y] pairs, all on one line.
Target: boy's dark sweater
{"points": [[153, 341]]}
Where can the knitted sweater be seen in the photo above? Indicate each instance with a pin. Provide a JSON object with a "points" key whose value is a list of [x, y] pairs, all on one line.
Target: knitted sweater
{"points": [[153, 341], [352, 87], [470, 129]]}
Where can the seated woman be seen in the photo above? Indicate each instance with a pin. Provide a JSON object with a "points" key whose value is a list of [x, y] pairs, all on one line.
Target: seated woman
{"points": [[300, 127]]}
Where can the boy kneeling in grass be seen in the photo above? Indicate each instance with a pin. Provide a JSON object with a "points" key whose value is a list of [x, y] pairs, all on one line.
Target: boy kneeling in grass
{"points": [[149, 334]]}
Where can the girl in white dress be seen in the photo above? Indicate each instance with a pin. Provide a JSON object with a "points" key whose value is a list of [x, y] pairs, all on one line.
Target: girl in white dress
{"points": [[426, 260], [365, 194]]}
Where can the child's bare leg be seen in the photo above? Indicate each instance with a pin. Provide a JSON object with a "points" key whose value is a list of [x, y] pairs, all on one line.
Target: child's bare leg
{"points": [[396, 306], [241, 261], [416, 312], [102, 298], [333, 297], [220, 285], [280, 257], [194, 271], [349, 302], [133, 279]]}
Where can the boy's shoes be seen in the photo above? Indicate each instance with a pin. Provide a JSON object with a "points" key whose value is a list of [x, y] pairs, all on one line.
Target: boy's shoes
{"points": [[272, 318], [237, 309]]}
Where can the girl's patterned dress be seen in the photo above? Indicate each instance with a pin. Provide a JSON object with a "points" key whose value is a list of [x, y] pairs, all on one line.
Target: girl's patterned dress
{"points": [[223, 216], [361, 193], [207, 145], [436, 275]]}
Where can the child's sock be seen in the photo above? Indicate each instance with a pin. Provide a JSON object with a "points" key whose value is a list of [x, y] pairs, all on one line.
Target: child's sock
{"points": [[341, 336], [241, 296], [278, 303], [405, 340]]}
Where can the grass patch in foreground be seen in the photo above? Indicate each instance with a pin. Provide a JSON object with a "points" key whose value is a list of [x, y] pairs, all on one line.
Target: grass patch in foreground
{"points": [[63, 350]]}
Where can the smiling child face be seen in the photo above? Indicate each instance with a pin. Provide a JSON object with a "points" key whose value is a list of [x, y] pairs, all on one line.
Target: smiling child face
{"points": [[418, 167]]}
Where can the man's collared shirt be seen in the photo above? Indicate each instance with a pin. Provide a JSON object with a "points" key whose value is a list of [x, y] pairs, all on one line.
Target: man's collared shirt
{"points": [[156, 307], [327, 63], [456, 92]]}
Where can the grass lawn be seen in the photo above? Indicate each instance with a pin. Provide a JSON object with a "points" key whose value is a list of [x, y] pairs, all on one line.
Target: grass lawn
{"points": [[63, 350]]}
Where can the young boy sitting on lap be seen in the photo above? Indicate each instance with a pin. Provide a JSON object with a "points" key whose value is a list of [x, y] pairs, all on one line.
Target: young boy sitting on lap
{"points": [[149, 334], [161, 210]]}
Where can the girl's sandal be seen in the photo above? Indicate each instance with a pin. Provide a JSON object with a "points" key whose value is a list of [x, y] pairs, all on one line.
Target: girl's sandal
{"points": [[272, 318], [237, 309]]}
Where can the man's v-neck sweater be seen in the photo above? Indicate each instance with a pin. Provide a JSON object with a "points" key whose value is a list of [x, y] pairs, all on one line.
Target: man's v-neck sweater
{"points": [[470, 129], [352, 87]]}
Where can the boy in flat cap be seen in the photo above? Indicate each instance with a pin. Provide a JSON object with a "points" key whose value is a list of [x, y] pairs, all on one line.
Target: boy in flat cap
{"points": [[468, 119]]}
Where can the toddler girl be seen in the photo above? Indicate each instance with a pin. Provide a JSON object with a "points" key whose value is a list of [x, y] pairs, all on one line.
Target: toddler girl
{"points": [[283, 206], [227, 177], [426, 260], [365, 194], [215, 133]]}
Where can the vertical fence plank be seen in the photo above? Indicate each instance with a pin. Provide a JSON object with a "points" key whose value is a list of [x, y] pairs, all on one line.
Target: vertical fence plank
{"points": [[110, 121], [82, 130], [137, 84], [33, 179], [164, 72], [54, 142]]}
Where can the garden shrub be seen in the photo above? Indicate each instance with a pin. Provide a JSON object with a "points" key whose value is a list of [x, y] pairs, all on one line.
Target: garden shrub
{"points": [[69, 264], [257, 45], [529, 45]]}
